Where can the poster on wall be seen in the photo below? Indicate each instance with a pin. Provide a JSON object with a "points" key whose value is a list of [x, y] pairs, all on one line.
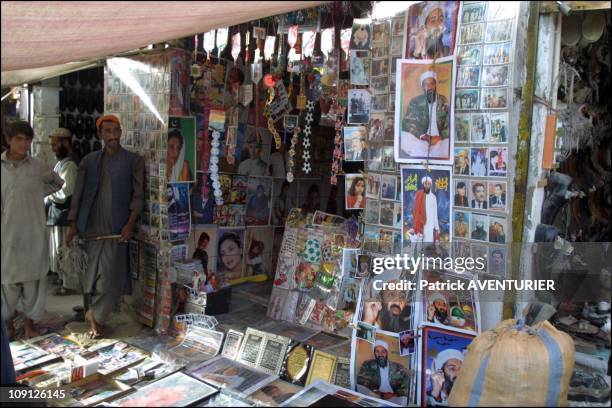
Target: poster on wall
{"points": [[258, 251], [181, 151], [426, 210], [424, 111], [431, 28], [371, 360], [258, 201], [230, 247], [203, 247], [441, 354], [202, 200], [179, 215]]}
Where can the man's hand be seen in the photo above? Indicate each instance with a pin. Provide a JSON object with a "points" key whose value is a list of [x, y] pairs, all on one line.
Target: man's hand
{"points": [[126, 232], [431, 311], [437, 382], [72, 232], [370, 312]]}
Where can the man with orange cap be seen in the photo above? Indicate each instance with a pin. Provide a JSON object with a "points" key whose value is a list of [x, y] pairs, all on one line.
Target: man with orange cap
{"points": [[107, 199]]}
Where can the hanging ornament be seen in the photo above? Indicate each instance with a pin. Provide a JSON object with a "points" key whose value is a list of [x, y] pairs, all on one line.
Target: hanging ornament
{"points": [[327, 41], [308, 43], [235, 46], [256, 74], [271, 127], [259, 33], [345, 42], [291, 161], [307, 131], [269, 47], [209, 43], [338, 154], [221, 40], [214, 168], [195, 67]]}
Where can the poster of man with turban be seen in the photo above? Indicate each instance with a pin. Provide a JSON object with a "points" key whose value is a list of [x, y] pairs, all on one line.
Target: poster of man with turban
{"points": [[424, 111], [431, 29], [426, 209]]}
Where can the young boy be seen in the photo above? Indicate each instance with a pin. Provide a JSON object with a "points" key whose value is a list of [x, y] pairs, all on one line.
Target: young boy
{"points": [[25, 247]]}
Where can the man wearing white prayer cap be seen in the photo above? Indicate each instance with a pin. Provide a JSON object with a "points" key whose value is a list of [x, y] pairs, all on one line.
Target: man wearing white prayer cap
{"points": [[387, 379], [445, 369], [428, 35], [425, 213], [437, 310]]}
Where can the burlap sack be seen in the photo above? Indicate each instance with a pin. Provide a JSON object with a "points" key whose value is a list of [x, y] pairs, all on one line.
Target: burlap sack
{"points": [[516, 365]]}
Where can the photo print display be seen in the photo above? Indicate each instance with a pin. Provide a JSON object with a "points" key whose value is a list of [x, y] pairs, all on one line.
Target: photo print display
{"points": [[203, 246], [431, 29], [417, 136], [480, 128], [462, 161], [360, 67], [499, 127], [497, 195], [450, 309], [388, 188], [355, 189], [496, 264], [498, 31], [372, 210], [179, 216], [441, 354], [258, 251], [181, 150], [468, 76], [230, 249], [497, 230], [469, 55], [359, 101], [471, 33], [479, 194], [373, 183], [426, 210], [380, 32], [462, 127], [259, 196], [478, 161], [479, 230], [355, 143], [202, 200], [275, 393], [361, 37], [462, 193], [377, 128], [495, 54], [367, 360], [466, 99], [498, 161], [494, 98], [495, 75], [473, 13], [461, 227]]}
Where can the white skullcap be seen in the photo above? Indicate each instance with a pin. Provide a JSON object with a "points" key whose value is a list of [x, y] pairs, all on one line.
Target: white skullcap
{"points": [[426, 178], [380, 343], [436, 296], [428, 74], [428, 9], [446, 355]]}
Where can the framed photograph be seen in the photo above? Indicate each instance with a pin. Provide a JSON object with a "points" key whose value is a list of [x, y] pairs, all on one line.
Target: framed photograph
{"points": [[392, 87], [376, 133], [497, 261], [479, 228], [462, 193], [499, 11], [389, 129], [355, 189], [468, 76], [497, 230], [461, 248], [499, 127], [380, 103], [365, 361], [388, 187], [380, 67], [359, 101], [421, 223], [431, 29], [258, 251], [385, 243], [251, 347], [322, 367], [380, 33], [495, 54], [478, 161], [397, 43], [441, 354], [471, 33], [179, 215], [498, 161], [233, 339], [374, 162], [480, 128], [360, 67], [397, 26], [497, 195], [379, 85], [466, 99], [461, 227], [355, 143], [259, 196], [417, 138], [342, 373], [498, 31], [407, 342], [462, 161], [473, 13], [381, 51], [273, 354], [479, 194], [469, 55], [364, 264], [275, 393], [181, 151], [371, 211], [371, 236], [225, 373], [361, 35], [494, 98], [391, 104], [495, 75], [387, 214], [296, 364], [349, 291], [230, 249]]}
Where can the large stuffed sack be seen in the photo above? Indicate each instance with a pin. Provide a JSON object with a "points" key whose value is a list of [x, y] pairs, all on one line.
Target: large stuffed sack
{"points": [[516, 365]]}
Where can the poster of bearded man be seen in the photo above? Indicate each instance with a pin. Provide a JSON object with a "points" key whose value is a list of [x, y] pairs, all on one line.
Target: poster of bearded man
{"points": [[424, 106], [431, 27]]}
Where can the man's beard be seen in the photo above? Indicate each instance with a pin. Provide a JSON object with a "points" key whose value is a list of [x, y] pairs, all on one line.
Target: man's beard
{"points": [[448, 384], [381, 361], [430, 96], [433, 42], [390, 322], [441, 316], [426, 190], [62, 153]]}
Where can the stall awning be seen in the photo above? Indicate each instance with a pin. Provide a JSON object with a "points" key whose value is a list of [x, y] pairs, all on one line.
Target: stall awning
{"points": [[39, 34]]}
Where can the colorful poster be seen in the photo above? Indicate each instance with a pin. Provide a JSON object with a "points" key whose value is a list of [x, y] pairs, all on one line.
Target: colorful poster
{"points": [[431, 29], [258, 251], [355, 192], [203, 246], [181, 150], [258, 201], [230, 248], [442, 353], [426, 210], [426, 92], [179, 215], [202, 200]]}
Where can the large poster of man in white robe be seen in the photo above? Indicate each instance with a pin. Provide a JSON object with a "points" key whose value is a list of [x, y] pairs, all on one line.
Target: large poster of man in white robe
{"points": [[424, 111], [426, 210]]}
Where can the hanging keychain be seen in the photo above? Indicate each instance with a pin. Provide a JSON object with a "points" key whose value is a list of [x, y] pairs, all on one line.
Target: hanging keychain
{"points": [[221, 41], [209, 44], [310, 105]]}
